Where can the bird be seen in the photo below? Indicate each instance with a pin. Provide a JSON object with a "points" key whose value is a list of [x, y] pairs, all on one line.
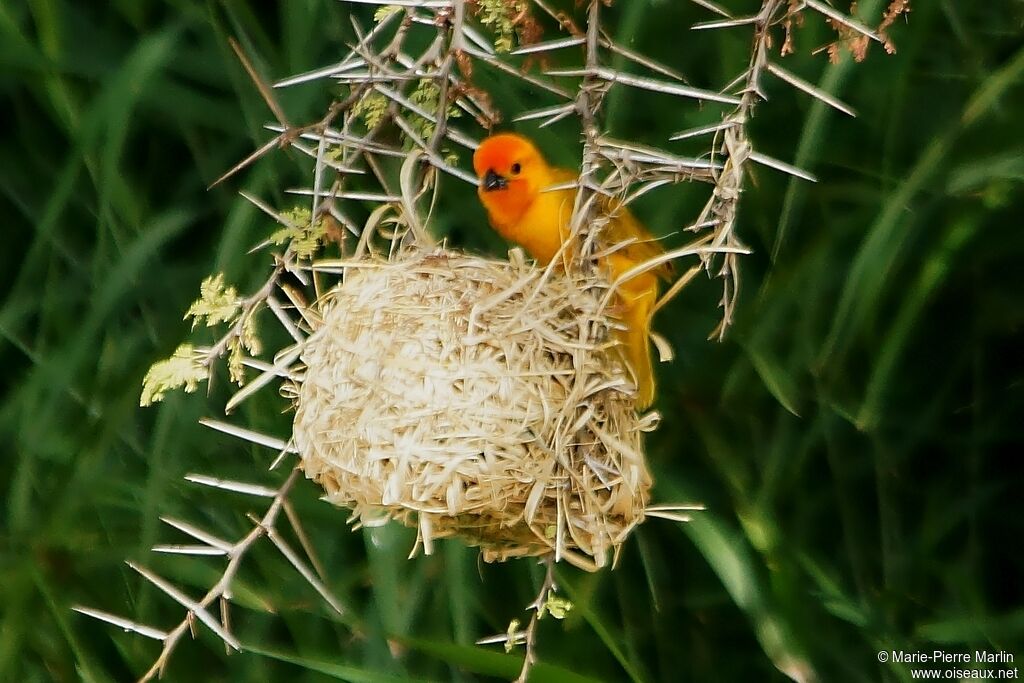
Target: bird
{"points": [[513, 175]]}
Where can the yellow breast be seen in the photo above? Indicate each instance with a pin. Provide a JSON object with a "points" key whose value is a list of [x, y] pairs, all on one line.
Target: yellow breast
{"points": [[545, 225]]}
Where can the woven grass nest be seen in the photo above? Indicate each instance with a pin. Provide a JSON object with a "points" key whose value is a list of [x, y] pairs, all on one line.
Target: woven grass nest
{"points": [[478, 398]]}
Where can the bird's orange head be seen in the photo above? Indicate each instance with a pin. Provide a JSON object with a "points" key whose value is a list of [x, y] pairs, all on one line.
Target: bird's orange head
{"points": [[512, 172]]}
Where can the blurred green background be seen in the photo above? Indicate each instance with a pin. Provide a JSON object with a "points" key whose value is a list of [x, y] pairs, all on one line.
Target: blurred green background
{"points": [[857, 437]]}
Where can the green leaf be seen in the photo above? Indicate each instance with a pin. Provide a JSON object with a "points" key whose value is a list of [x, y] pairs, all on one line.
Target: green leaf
{"points": [[184, 369], [217, 303], [480, 660], [330, 667], [774, 376]]}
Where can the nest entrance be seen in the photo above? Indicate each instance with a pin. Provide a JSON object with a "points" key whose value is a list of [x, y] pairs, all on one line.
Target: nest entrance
{"points": [[476, 398]]}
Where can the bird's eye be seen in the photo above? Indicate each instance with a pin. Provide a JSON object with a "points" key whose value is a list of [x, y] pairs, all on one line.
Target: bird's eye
{"points": [[516, 168]]}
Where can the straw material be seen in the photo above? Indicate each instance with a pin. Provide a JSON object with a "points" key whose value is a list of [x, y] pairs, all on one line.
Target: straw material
{"points": [[476, 398]]}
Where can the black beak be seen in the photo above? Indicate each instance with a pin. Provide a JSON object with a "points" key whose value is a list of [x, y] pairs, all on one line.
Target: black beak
{"points": [[493, 181]]}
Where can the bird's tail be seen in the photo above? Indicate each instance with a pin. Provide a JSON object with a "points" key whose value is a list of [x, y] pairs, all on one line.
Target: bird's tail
{"points": [[638, 304]]}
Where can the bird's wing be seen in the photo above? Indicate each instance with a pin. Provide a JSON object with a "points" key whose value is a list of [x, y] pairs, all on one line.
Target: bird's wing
{"points": [[622, 227]]}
